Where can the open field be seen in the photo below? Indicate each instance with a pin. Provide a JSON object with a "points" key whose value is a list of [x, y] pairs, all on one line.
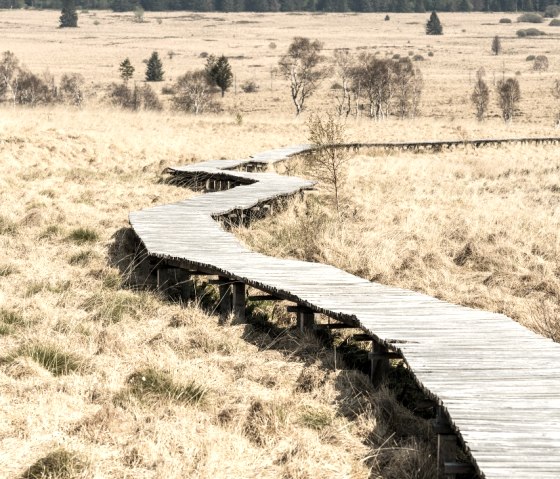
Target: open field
{"points": [[95, 51], [153, 389]]}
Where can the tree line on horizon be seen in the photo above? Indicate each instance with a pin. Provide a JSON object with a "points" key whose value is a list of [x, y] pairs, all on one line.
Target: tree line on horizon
{"points": [[397, 6]]}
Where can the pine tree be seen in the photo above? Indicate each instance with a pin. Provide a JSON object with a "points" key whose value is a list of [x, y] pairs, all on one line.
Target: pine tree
{"points": [[154, 69], [68, 15], [433, 26], [219, 72], [496, 45], [126, 69]]}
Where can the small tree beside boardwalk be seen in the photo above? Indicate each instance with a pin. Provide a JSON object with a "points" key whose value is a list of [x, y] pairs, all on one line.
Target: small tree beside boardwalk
{"points": [[154, 68], [509, 95], [496, 45], [302, 67], [68, 14], [327, 163], [433, 26]]}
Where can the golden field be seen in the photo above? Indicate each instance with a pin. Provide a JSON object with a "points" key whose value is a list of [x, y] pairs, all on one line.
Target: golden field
{"points": [[128, 383]]}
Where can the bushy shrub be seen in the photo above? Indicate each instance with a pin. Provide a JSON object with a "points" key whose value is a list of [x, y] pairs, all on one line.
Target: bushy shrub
{"points": [[530, 18], [250, 87], [505, 20], [418, 58], [540, 64], [430, 54], [530, 32], [554, 23], [134, 98], [34, 90], [530, 58], [71, 89], [552, 11]]}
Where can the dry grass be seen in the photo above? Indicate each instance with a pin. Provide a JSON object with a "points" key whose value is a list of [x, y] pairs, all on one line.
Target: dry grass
{"points": [[273, 405], [473, 227]]}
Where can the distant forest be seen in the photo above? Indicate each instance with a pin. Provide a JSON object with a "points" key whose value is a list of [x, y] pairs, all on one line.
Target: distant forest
{"points": [[398, 6]]}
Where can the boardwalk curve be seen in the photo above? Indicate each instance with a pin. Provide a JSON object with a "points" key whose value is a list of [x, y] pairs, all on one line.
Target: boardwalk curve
{"points": [[498, 384]]}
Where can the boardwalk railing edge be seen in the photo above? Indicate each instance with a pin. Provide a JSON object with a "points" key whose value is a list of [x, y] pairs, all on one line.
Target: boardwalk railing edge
{"points": [[187, 235]]}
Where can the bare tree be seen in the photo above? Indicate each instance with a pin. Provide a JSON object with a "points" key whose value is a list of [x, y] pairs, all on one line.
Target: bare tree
{"points": [[480, 96], [344, 64], [193, 92], [10, 72], [408, 87], [496, 45], [375, 79], [509, 95], [302, 67], [327, 162]]}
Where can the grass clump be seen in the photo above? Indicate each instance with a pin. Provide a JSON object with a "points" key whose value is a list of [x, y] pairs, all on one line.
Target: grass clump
{"points": [[82, 258], [50, 232], [151, 384], [10, 317], [111, 307], [83, 235], [315, 418], [59, 464], [7, 226], [51, 357], [7, 270], [36, 287]]}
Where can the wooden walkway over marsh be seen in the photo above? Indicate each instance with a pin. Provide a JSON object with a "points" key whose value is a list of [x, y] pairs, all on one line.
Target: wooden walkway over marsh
{"points": [[497, 384]]}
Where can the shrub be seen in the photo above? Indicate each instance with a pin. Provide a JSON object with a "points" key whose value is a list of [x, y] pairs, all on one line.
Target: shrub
{"points": [[505, 20], [34, 90], [396, 56], [250, 87], [530, 58], [71, 92], [387, 18], [530, 18], [418, 58], [430, 54], [552, 11], [530, 32], [554, 23], [540, 63], [509, 95], [272, 45], [135, 98]]}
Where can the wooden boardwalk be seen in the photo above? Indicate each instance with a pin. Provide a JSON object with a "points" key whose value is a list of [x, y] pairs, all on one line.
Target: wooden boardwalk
{"points": [[497, 383]]}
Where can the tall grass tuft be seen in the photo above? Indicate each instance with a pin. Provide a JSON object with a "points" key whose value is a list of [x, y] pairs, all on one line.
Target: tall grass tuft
{"points": [[51, 357], [83, 235], [151, 384], [59, 464]]}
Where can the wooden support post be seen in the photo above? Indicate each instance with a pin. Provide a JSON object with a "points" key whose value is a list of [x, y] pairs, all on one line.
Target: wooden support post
{"points": [[447, 444], [379, 358], [239, 301], [306, 320], [224, 288]]}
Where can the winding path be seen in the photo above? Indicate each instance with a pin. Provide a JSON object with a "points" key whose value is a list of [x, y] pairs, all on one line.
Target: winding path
{"points": [[497, 383]]}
